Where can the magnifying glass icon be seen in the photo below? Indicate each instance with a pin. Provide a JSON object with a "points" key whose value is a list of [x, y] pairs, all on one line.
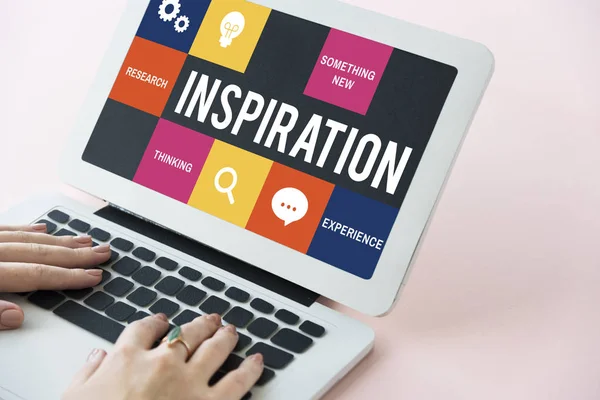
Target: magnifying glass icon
{"points": [[228, 190]]}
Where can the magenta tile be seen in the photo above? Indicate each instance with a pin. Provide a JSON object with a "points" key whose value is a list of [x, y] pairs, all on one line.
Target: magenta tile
{"points": [[348, 71], [173, 160]]}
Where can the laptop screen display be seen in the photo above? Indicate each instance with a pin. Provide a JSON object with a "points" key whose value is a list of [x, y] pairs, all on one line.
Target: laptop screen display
{"points": [[303, 134]]}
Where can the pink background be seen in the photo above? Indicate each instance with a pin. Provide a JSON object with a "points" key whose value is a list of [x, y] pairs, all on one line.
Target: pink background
{"points": [[504, 300], [358, 51], [176, 141]]}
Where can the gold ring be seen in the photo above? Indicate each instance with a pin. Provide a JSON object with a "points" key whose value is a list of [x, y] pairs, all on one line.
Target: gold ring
{"points": [[176, 336]]}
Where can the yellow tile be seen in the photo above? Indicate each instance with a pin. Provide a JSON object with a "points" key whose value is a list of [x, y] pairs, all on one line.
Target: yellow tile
{"points": [[251, 171], [219, 25]]}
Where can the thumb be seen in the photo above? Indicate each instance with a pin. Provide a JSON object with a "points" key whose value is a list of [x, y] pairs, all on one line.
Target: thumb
{"points": [[11, 316], [94, 360]]}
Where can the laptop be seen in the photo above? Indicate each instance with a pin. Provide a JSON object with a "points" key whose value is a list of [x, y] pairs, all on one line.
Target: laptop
{"points": [[253, 158]]}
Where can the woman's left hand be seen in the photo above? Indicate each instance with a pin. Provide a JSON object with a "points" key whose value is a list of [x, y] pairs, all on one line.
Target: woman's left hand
{"points": [[32, 260]]}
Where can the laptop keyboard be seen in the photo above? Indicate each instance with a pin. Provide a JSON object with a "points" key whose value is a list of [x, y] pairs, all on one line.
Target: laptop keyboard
{"points": [[134, 285]]}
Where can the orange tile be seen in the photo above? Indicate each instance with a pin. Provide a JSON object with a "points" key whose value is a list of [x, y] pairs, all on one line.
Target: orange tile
{"points": [[281, 200], [148, 76]]}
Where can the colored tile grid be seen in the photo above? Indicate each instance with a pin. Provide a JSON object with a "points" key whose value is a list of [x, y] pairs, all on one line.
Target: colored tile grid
{"points": [[304, 213]]}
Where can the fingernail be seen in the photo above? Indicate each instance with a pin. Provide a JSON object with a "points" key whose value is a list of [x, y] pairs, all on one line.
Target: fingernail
{"points": [[84, 239], [94, 272], [11, 318], [39, 227], [231, 329], [105, 248], [95, 355], [257, 358], [162, 316], [215, 318]]}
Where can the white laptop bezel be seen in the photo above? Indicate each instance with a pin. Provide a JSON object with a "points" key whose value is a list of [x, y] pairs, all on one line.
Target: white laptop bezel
{"points": [[375, 296]]}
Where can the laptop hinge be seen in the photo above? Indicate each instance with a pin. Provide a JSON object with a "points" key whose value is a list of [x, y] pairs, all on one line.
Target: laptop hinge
{"points": [[208, 254]]}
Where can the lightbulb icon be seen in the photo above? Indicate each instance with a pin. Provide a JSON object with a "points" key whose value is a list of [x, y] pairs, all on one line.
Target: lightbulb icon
{"points": [[232, 26]]}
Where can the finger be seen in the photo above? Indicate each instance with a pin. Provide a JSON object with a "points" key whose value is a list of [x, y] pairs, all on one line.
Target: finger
{"points": [[72, 242], [40, 228], [20, 278], [54, 255], [91, 365], [213, 352], [239, 382], [194, 333], [11, 316], [142, 334]]}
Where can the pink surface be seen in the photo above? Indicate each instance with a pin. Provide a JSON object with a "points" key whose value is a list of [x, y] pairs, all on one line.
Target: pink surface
{"points": [[348, 71], [504, 299], [173, 160]]}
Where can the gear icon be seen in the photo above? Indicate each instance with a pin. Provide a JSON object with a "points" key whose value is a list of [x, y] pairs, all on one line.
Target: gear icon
{"points": [[182, 24], [169, 16]]}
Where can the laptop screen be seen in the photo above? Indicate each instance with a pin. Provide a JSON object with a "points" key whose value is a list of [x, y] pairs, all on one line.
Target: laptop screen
{"points": [[303, 134]]}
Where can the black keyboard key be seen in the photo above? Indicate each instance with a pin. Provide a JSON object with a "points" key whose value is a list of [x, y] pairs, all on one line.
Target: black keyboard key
{"points": [[78, 294], [99, 301], [191, 295], [185, 317], [238, 317], [142, 296], [79, 225], [243, 342], [292, 340], [265, 377], [237, 294], [262, 327], [91, 321], [50, 226], [287, 317], [312, 329], [137, 316], [113, 257], [213, 284], [169, 286], [231, 363], [190, 274], [144, 254], [46, 299], [166, 263], [166, 307], [99, 234], [273, 357], [120, 311], [105, 277], [262, 306], [118, 287], [122, 244], [58, 216], [146, 276], [214, 305], [126, 266], [216, 378], [220, 375], [65, 232]]}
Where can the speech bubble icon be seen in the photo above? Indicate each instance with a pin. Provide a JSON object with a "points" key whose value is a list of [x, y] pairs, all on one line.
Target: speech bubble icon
{"points": [[289, 205]]}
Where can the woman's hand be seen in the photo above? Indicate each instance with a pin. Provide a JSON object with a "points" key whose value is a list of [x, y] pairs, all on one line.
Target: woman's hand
{"points": [[136, 371], [32, 260]]}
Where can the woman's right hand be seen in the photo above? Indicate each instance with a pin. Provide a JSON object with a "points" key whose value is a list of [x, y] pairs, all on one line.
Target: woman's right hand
{"points": [[136, 371]]}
